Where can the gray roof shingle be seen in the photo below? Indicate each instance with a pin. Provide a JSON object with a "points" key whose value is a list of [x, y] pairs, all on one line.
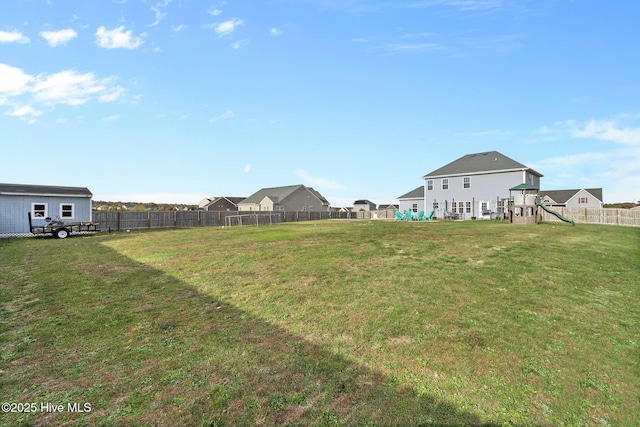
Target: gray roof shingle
{"points": [[490, 161], [43, 190]]}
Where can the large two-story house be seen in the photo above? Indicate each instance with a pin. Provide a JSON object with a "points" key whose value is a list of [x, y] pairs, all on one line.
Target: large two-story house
{"points": [[475, 185], [287, 198]]}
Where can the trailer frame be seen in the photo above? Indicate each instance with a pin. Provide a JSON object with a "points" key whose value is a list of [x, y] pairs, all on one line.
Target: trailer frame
{"points": [[60, 229]]}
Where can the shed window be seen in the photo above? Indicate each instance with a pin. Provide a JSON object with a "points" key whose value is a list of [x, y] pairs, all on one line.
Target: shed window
{"points": [[67, 211], [39, 210]]}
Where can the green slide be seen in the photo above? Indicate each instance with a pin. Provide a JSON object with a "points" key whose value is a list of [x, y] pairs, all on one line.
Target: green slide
{"points": [[560, 217]]}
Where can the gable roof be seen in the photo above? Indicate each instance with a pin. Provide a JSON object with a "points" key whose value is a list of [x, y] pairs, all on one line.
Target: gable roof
{"points": [[488, 162], [417, 193], [43, 190], [563, 196], [277, 194]]}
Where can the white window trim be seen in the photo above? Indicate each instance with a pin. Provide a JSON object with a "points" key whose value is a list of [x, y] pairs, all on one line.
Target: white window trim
{"points": [[33, 210], [73, 210]]}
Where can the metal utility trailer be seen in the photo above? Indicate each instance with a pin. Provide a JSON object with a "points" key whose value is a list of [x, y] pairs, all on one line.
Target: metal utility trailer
{"points": [[60, 229]]}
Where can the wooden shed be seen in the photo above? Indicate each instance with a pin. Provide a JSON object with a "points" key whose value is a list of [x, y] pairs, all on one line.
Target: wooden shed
{"points": [[42, 201]]}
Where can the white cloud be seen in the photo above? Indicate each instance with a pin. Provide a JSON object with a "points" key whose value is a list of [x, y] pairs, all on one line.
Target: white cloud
{"points": [[68, 87], [238, 44], [318, 182], [608, 130], [177, 28], [226, 115], [117, 38], [227, 27], [13, 80], [25, 112], [56, 38], [275, 31], [612, 160], [247, 168], [213, 11], [111, 118], [13, 37], [159, 10]]}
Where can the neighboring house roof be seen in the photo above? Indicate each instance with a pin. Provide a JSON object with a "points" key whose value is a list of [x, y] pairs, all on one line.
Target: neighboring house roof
{"points": [[563, 196], [216, 200], [280, 193], [43, 190], [417, 193], [363, 202], [488, 162], [391, 206]]}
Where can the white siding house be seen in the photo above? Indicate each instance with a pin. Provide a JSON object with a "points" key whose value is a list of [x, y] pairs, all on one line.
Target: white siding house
{"points": [[475, 185], [287, 198], [412, 201], [68, 204]]}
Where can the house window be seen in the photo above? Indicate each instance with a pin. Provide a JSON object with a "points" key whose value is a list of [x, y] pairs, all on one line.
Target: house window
{"points": [[582, 200], [39, 210], [280, 208], [430, 185], [414, 207], [484, 206], [468, 207], [435, 205], [265, 208], [445, 183], [466, 182], [460, 207], [67, 211]]}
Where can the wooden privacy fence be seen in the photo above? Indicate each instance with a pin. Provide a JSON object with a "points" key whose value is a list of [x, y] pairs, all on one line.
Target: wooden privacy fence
{"points": [[630, 217], [134, 220]]}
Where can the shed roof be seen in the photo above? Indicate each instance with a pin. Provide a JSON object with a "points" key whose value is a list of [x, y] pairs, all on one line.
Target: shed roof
{"points": [[487, 162], [43, 190]]}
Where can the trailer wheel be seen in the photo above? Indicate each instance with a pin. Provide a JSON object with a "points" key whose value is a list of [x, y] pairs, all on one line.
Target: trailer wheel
{"points": [[61, 233]]}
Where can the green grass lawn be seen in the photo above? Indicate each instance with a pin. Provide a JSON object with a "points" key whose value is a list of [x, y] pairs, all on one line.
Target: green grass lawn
{"points": [[325, 323]]}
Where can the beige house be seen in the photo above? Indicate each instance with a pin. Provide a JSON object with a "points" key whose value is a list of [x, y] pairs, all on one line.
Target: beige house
{"points": [[288, 198], [582, 198]]}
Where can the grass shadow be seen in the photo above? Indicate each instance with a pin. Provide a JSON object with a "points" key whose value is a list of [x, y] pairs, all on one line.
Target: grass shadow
{"points": [[143, 348]]}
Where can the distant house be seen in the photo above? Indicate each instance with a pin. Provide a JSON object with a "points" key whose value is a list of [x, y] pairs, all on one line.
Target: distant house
{"points": [[412, 201], [287, 198], [581, 198], [475, 185], [41, 201], [223, 203], [388, 207], [364, 205]]}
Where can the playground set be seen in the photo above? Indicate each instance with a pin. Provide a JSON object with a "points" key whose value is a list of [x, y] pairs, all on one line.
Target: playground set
{"points": [[526, 207]]}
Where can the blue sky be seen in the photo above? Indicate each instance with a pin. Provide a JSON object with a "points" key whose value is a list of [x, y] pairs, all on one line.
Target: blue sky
{"points": [[176, 100]]}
